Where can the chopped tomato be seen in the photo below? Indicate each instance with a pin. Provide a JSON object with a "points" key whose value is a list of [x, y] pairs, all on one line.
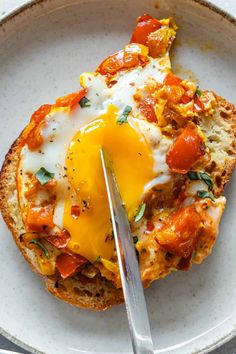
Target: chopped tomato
{"points": [[72, 99], [112, 64], [171, 79], [173, 93], [75, 211], [184, 263], [146, 24], [40, 219], [35, 185], [146, 108], [187, 149], [67, 264], [159, 41], [41, 113], [60, 240], [198, 105], [124, 59], [150, 226], [51, 184], [34, 139], [32, 188], [32, 135], [179, 234], [185, 98], [144, 17]]}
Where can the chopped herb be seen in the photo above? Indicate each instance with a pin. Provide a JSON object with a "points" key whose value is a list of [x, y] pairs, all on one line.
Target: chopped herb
{"points": [[203, 176], [135, 238], [123, 118], [40, 245], [198, 92], [44, 176], [84, 102], [98, 259], [140, 212], [205, 194]]}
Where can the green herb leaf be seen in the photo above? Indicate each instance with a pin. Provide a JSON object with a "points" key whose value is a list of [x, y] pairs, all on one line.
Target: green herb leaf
{"points": [[84, 102], [203, 176], [198, 92], [123, 118], [135, 238], [40, 245], [44, 176], [140, 212], [205, 194], [98, 259]]}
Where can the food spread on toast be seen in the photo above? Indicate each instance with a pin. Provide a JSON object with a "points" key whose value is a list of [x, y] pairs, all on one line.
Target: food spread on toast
{"points": [[163, 134]]}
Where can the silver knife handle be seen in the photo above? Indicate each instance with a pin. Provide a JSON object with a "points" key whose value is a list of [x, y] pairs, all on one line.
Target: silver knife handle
{"points": [[133, 291], [129, 269]]}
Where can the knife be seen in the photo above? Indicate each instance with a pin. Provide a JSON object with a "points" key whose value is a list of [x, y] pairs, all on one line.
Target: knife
{"points": [[129, 269]]}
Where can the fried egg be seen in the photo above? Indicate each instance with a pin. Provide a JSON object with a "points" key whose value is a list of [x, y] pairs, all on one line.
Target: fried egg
{"points": [[70, 150]]}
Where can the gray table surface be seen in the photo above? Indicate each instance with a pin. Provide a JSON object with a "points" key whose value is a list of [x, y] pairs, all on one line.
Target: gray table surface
{"points": [[7, 6]]}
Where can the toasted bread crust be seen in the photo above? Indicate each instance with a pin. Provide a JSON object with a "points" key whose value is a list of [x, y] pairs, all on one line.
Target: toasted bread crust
{"points": [[225, 117], [99, 293]]}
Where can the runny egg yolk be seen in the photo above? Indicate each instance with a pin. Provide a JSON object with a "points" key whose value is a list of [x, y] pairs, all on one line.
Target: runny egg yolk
{"points": [[91, 230]]}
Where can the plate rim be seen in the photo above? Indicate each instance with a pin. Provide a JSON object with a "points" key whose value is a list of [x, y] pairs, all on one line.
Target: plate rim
{"points": [[29, 5]]}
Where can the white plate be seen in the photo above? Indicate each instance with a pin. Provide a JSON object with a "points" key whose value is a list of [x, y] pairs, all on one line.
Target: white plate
{"points": [[43, 49]]}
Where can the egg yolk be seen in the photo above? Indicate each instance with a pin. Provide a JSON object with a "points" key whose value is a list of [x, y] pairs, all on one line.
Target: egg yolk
{"points": [[90, 228]]}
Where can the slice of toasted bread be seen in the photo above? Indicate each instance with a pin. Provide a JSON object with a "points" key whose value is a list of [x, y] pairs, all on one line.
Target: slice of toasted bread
{"points": [[99, 293]]}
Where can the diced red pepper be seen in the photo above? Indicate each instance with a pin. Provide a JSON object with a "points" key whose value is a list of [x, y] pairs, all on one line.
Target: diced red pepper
{"points": [[60, 240], [146, 108], [75, 211], [143, 18], [32, 135], [198, 105], [150, 226], [51, 184], [171, 79], [68, 264], [40, 219], [146, 24], [179, 234], [185, 98], [119, 61], [41, 113], [177, 92], [187, 149], [72, 99], [174, 93], [34, 139]]}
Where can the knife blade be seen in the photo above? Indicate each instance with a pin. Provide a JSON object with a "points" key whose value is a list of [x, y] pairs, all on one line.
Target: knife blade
{"points": [[129, 269]]}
